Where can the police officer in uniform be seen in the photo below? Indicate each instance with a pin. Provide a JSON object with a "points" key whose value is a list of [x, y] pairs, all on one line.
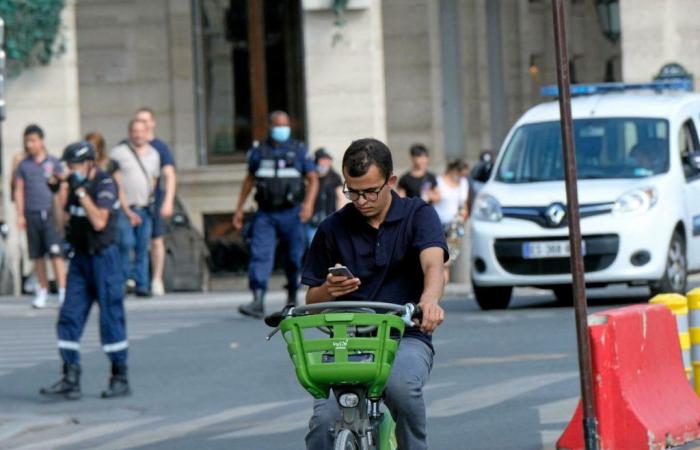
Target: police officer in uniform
{"points": [[95, 274], [286, 184]]}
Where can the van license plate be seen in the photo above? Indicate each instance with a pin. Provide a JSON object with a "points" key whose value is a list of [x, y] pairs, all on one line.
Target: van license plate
{"points": [[548, 249]]}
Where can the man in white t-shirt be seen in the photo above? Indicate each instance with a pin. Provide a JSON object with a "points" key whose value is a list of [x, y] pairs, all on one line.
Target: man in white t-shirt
{"points": [[139, 168]]}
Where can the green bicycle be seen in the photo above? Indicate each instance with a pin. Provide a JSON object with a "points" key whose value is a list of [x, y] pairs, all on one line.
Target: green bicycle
{"points": [[353, 360]]}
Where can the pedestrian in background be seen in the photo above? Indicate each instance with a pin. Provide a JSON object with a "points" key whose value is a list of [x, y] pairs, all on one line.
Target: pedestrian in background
{"points": [[35, 213], [286, 185], [452, 209], [102, 159], [94, 275], [419, 181], [164, 199], [330, 192], [139, 166]]}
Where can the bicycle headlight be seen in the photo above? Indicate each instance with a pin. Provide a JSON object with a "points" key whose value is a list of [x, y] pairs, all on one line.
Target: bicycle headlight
{"points": [[637, 201], [487, 208], [349, 400]]}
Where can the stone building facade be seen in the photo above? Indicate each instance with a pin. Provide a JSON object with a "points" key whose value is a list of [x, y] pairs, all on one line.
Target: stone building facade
{"points": [[453, 74]]}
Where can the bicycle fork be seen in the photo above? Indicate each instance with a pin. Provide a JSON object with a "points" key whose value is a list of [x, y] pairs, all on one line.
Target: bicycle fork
{"points": [[360, 415]]}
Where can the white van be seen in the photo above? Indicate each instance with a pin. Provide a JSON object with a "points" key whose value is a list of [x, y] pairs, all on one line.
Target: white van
{"points": [[638, 159]]}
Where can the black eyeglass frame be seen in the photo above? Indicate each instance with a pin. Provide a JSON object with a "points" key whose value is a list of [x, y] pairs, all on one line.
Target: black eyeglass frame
{"points": [[350, 193]]}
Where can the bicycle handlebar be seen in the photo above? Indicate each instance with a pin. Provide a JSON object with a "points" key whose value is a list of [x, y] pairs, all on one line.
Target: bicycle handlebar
{"points": [[409, 311]]}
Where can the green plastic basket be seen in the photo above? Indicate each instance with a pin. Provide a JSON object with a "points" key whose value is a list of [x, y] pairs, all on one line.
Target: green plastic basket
{"points": [[342, 360]]}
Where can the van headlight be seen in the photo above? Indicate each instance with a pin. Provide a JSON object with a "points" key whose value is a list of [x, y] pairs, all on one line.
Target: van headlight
{"points": [[637, 201], [487, 208]]}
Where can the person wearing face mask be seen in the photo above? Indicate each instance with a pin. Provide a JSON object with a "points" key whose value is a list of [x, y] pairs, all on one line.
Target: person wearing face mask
{"points": [[94, 275], [286, 184], [330, 192]]}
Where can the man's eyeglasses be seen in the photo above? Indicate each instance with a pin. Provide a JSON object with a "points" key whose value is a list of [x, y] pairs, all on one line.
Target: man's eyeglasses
{"points": [[368, 194]]}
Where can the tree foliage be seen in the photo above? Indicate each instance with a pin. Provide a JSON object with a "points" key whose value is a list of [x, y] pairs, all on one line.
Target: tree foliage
{"points": [[32, 30]]}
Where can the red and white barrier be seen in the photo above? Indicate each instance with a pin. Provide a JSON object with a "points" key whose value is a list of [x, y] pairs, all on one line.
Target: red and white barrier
{"points": [[642, 397]]}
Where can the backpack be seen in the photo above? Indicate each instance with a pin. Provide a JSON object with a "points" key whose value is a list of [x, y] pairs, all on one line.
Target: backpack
{"points": [[186, 255]]}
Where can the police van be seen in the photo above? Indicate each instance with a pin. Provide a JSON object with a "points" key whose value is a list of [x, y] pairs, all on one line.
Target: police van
{"points": [[638, 160]]}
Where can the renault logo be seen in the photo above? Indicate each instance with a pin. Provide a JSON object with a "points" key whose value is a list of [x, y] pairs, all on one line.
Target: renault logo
{"points": [[555, 214]]}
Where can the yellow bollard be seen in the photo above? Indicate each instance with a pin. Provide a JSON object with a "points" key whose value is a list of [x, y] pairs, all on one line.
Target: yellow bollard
{"points": [[678, 305], [694, 324]]}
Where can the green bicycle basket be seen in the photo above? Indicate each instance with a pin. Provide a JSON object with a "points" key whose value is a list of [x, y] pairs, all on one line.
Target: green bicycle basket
{"points": [[340, 359]]}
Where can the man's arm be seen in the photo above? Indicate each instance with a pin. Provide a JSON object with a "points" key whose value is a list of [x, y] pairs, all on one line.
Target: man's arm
{"points": [[331, 289], [97, 216], [246, 188], [19, 202], [432, 263], [307, 208], [168, 173], [134, 219]]}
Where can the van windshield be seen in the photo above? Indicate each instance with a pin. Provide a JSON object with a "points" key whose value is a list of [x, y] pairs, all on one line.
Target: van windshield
{"points": [[605, 148]]}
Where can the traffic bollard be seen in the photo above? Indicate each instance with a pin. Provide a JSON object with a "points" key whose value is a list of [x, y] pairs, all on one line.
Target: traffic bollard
{"points": [[694, 324], [678, 305]]}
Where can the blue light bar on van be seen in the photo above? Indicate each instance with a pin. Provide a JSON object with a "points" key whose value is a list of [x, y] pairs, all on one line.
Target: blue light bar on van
{"points": [[680, 84]]}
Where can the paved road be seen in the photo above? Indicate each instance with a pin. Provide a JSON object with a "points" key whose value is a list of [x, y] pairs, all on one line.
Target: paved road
{"points": [[204, 377]]}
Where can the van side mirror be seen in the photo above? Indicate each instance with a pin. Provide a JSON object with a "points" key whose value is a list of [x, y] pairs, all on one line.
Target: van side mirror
{"points": [[692, 159]]}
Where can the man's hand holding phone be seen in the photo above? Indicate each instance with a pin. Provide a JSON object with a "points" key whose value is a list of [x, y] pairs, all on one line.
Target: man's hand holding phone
{"points": [[340, 281]]}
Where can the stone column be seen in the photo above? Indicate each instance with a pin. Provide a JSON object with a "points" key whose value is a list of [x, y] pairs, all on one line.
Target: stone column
{"points": [[344, 66], [47, 96]]}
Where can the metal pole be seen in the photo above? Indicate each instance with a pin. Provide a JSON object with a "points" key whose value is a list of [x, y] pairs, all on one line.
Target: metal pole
{"points": [[590, 423], [199, 76]]}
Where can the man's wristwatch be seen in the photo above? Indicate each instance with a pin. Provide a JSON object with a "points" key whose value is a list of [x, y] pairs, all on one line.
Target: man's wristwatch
{"points": [[80, 193]]}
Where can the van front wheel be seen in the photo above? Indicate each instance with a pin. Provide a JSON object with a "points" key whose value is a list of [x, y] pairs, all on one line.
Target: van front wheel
{"points": [[675, 277], [492, 297]]}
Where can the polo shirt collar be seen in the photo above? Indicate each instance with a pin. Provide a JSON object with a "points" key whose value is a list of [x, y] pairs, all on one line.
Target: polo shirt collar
{"points": [[397, 210]]}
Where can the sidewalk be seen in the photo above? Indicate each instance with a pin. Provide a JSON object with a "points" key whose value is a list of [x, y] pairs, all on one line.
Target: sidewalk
{"points": [[13, 306]]}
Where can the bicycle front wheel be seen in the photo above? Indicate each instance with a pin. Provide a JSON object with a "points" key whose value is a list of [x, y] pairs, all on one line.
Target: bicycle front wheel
{"points": [[345, 441]]}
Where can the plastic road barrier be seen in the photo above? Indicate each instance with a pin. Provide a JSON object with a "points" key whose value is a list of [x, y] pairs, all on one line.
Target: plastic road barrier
{"points": [[678, 305], [642, 397], [694, 324]]}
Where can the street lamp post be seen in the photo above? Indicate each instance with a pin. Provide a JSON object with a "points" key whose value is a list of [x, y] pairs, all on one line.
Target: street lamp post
{"points": [[590, 424]]}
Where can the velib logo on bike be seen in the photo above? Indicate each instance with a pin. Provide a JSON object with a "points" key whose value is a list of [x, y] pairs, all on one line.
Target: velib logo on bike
{"points": [[340, 344]]}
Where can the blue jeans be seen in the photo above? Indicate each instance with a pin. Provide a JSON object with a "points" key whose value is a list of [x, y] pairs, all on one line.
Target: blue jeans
{"points": [[310, 231], [134, 243], [267, 227], [403, 395]]}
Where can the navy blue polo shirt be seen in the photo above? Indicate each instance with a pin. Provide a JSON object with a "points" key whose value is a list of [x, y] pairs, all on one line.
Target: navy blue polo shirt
{"points": [[386, 260]]}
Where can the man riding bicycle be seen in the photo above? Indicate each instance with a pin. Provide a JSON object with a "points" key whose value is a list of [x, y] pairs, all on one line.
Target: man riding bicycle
{"points": [[396, 248]]}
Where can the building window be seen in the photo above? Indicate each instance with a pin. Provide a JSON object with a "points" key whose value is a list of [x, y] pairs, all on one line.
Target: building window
{"points": [[244, 78]]}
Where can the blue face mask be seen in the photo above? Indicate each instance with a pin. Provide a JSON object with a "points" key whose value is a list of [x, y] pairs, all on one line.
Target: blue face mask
{"points": [[280, 134], [79, 176]]}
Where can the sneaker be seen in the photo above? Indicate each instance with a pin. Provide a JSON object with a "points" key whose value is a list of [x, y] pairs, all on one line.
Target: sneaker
{"points": [[130, 286], [40, 298], [157, 288], [61, 296]]}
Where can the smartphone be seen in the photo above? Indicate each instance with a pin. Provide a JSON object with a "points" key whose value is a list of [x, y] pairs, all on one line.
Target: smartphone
{"points": [[341, 271]]}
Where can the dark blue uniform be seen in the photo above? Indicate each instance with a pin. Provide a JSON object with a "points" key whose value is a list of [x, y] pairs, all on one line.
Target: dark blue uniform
{"points": [[279, 179], [95, 275]]}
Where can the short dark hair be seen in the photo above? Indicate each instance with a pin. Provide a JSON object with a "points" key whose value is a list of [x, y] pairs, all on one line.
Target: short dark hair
{"points": [[457, 165], [34, 129], [418, 150], [362, 153]]}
